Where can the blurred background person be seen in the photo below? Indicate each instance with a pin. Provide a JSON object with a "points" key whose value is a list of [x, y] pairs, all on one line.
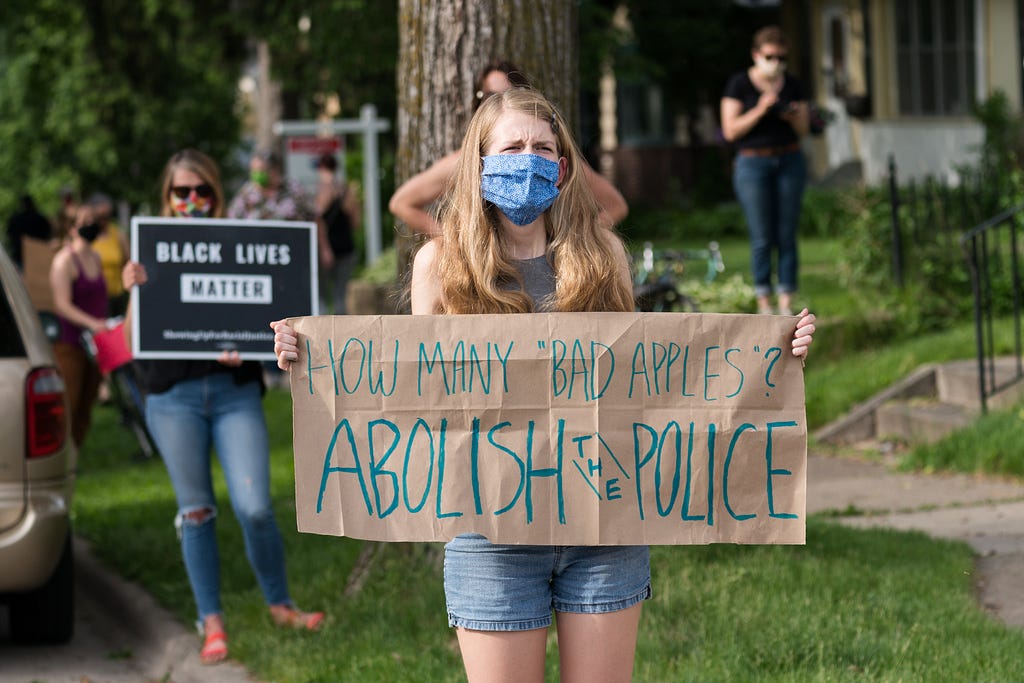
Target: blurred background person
{"points": [[65, 213], [80, 301], [413, 200], [268, 195], [112, 246], [339, 216], [764, 114]]}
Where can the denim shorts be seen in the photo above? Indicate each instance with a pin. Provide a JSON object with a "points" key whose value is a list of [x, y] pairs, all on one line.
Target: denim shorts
{"points": [[515, 587]]}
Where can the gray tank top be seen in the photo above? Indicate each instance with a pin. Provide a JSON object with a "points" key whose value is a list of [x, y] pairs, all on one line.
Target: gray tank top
{"points": [[538, 280]]}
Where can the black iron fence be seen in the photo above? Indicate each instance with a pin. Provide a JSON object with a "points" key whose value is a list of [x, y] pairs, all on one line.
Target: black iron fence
{"points": [[992, 251], [935, 225], [928, 216]]}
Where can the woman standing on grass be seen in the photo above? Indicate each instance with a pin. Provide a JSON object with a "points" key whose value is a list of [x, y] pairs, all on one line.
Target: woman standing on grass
{"points": [[521, 233], [192, 405], [80, 301], [764, 114]]}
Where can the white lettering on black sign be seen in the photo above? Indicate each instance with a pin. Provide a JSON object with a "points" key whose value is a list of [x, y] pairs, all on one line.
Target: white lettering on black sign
{"points": [[188, 252], [226, 289]]}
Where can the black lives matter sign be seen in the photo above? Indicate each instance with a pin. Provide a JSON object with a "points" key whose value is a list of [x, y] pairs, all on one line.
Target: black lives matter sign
{"points": [[215, 284]]}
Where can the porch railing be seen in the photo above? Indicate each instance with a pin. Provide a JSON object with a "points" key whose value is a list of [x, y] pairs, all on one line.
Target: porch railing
{"points": [[994, 263]]}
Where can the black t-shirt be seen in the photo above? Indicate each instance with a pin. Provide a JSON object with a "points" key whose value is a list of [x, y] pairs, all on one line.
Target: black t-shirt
{"points": [[771, 130], [339, 225], [158, 376]]}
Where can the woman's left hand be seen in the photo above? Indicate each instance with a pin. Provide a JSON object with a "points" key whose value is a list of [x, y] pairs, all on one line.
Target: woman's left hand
{"points": [[232, 359], [286, 343], [802, 337]]}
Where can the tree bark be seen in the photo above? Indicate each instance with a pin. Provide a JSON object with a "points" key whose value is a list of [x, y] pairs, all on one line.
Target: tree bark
{"points": [[442, 46]]}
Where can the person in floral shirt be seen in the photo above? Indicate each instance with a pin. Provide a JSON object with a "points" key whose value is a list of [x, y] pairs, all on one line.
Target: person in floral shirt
{"points": [[268, 195]]}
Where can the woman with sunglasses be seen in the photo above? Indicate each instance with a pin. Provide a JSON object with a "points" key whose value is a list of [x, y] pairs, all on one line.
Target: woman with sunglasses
{"points": [[764, 114], [192, 405]]}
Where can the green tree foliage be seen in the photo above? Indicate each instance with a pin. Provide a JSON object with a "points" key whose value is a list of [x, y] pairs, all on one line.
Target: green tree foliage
{"points": [[689, 47], [99, 94], [346, 47]]}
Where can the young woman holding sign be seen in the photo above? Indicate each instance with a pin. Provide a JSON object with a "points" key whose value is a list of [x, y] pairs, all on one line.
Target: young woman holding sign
{"points": [[192, 405], [521, 233]]}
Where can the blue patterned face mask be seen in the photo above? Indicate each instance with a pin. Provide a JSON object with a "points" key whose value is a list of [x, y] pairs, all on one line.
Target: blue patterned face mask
{"points": [[521, 185]]}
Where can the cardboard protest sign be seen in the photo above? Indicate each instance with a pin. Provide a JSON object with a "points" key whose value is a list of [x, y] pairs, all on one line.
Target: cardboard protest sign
{"points": [[214, 284], [36, 257], [551, 428]]}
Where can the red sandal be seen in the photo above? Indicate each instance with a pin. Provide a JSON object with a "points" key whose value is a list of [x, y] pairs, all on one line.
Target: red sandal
{"points": [[215, 648], [290, 617]]}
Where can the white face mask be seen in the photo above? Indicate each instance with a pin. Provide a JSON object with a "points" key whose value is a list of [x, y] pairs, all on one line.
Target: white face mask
{"points": [[768, 67]]}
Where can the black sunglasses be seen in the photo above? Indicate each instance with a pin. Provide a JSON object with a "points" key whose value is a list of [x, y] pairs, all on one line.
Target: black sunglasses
{"points": [[772, 58], [204, 190]]}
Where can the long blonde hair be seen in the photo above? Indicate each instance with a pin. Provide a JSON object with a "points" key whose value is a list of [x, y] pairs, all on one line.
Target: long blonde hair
{"points": [[475, 265], [204, 167]]}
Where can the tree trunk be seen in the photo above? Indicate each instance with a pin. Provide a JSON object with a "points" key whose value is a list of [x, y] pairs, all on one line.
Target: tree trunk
{"points": [[442, 46]]}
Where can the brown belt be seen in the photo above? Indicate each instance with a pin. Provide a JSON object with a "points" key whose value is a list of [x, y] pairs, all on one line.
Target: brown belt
{"points": [[769, 151]]}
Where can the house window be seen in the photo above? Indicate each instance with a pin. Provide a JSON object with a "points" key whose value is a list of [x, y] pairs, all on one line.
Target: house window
{"points": [[935, 56]]}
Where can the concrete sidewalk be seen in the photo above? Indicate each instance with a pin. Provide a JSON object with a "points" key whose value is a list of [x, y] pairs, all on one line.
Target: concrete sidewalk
{"points": [[161, 647], [986, 513]]}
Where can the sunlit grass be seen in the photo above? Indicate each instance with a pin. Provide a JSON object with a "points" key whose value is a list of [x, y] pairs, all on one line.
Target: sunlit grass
{"points": [[851, 605]]}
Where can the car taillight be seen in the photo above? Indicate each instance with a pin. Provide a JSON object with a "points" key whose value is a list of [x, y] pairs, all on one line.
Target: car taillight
{"points": [[45, 414]]}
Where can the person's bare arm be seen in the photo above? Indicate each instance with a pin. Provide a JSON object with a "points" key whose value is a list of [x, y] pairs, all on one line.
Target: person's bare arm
{"points": [[425, 287], [353, 207], [323, 243], [613, 205], [736, 123], [410, 201]]}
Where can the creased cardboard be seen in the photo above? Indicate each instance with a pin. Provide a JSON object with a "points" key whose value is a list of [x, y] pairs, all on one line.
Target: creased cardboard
{"points": [[551, 428]]}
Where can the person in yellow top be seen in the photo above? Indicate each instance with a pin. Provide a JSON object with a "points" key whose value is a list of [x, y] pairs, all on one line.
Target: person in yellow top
{"points": [[112, 246]]}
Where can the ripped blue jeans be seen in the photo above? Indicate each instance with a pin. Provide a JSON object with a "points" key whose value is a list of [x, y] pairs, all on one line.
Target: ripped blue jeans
{"points": [[185, 422]]}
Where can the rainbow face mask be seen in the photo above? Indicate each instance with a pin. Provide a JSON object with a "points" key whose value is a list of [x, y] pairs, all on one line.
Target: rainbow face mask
{"points": [[193, 206], [521, 185]]}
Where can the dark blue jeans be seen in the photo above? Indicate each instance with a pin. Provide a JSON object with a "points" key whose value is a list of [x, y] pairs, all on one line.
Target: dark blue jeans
{"points": [[771, 190]]}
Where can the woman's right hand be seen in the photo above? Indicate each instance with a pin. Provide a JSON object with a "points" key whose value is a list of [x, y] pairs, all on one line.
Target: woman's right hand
{"points": [[286, 344]]}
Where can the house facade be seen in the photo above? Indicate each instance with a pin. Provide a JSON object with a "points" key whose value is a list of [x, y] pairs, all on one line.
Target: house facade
{"points": [[900, 78], [897, 79]]}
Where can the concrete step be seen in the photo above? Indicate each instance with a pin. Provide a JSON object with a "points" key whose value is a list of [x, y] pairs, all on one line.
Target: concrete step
{"points": [[920, 421], [925, 405], [956, 382]]}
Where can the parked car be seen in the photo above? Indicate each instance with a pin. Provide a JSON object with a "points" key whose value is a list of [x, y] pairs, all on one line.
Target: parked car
{"points": [[37, 473]]}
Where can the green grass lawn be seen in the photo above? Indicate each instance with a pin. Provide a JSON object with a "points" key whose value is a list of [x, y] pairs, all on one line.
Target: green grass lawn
{"points": [[850, 605]]}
